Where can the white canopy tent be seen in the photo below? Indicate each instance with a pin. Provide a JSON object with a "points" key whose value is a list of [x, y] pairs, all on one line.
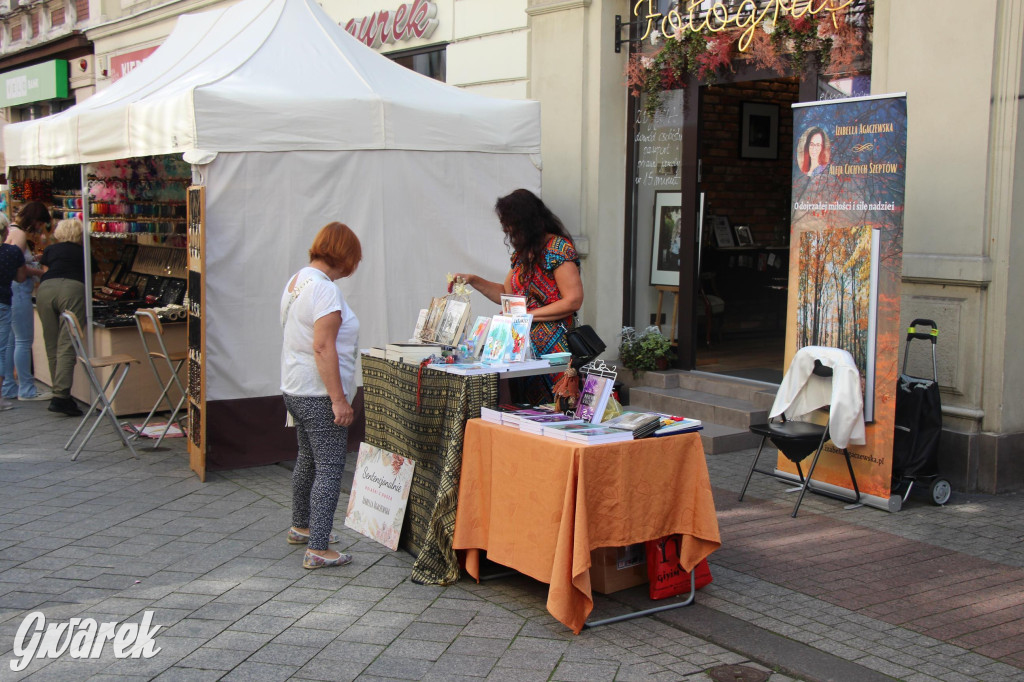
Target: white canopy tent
{"points": [[291, 123]]}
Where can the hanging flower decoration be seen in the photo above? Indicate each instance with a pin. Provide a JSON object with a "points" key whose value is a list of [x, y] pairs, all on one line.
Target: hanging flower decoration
{"points": [[783, 45]]}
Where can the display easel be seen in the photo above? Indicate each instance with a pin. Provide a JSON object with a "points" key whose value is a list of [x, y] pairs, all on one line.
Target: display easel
{"points": [[196, 201]]}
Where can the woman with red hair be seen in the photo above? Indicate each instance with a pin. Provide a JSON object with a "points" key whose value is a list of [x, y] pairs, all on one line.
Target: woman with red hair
{"points": [[814, 153], [318, 362]]}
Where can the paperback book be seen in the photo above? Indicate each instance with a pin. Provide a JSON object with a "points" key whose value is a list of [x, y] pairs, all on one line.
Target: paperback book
{"points": [[538, 423], [597, 388], [561, 431], [520, 338], [671, 425], [513, 305], [477, 334], [598, 434], [515, 417], [434, 314], [453, 321], [498, 341], [640, 424]]}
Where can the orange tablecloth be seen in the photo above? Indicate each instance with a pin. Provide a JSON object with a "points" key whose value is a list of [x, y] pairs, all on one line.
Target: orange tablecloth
{"points": [[540, 505]]}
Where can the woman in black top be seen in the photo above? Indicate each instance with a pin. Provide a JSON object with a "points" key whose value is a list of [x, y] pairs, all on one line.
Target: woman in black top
{"points": [[61, 288]]}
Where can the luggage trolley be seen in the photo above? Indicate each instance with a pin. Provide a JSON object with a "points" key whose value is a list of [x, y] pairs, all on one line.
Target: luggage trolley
{"points": [[918, 425]]}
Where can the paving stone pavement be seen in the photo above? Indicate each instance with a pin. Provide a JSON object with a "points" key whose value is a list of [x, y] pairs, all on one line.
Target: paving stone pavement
{"points": [[926, 594]]}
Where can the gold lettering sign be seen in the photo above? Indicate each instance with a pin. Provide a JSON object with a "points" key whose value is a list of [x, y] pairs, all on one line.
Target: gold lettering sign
{"points": [[747, 15]]}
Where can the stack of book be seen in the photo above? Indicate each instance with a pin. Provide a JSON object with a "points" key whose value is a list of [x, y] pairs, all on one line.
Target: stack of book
{"points": [[538, 424], [640, 424], [589, 434], [510, 415], [671, 425]]}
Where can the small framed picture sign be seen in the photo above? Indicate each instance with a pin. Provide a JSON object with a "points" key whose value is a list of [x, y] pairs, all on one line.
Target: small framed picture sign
{"points": [[743, 236], [723, 235]]}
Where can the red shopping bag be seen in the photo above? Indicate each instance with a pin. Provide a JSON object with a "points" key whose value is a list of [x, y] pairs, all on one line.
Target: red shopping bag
{"points": [[666, 578]]}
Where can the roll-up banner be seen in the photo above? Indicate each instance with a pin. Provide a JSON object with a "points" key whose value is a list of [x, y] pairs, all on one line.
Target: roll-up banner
{"points": [[846, 252]]}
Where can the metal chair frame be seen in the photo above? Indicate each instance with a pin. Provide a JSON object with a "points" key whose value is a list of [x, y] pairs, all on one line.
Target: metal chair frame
{"points": [[149, 325], [766, 431], [120, 365]]}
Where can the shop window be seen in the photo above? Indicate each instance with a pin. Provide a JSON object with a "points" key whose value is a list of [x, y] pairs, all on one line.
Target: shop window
{"points": [[430, 62]]}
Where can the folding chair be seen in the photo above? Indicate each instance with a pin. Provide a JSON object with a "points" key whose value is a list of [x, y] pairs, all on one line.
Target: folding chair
{"points": [[151, 331], [119, 365], [811, 383]]}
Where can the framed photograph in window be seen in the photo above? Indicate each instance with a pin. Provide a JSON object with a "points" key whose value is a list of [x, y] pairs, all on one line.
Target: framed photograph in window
{"points": [[759, 131], [723, 235], [743, 236], [666, 238]]}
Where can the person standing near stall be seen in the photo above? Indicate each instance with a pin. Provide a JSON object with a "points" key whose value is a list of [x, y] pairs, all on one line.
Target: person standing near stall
{"points": [[545, 269], [61, 288], [31, 223], [318, 361], [12, 269]]}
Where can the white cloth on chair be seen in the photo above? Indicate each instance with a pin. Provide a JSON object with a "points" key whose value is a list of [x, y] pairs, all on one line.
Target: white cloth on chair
{"points": [[802, 391]]}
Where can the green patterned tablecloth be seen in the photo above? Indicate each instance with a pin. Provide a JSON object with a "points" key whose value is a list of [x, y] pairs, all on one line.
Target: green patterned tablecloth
{"points": [[431, 436]]}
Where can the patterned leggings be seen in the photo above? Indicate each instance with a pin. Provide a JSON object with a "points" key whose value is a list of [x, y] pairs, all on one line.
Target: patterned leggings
{"points": [[316, 479]]}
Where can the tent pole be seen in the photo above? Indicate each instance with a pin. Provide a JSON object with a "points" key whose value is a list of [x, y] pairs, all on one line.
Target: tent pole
{"points": [[87, 247]]}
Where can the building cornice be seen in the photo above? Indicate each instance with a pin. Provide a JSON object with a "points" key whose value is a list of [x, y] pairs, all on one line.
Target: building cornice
{"points": [[556, 6]]}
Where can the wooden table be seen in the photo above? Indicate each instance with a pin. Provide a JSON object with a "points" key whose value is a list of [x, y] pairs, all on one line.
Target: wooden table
{"points": [[540, 505]]}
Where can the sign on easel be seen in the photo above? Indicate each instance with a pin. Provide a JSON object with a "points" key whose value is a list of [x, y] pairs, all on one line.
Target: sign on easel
{"points": [[380, 494]]}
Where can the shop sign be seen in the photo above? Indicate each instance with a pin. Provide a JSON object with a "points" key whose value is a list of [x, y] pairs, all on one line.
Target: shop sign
{"points": [[410, 20], [123, 64], [35, 83], [727, 15]]}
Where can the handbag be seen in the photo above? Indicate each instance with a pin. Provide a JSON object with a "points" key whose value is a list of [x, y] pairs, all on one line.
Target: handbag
{"points": [[584, 342]]}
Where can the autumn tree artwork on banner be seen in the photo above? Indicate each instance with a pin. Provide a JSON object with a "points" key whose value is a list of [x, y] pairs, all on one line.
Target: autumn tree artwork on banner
{"points": [[846, 260]]}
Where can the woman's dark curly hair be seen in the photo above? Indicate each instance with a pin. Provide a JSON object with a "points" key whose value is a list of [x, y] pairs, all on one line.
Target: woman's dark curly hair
{"points": [[527, 222]]}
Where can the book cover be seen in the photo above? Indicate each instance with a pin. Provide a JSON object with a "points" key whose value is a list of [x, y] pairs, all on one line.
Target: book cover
{"points": [[380, 494], [499, 340], [536, 424], [434, 314], [676, 425], [452, 321], [599, 434], [477, 334], [594, 397], [421, 320], [520, 338], [513, 305], [631, 421]]}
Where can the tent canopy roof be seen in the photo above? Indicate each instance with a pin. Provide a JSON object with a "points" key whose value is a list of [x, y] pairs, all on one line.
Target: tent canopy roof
{"points": [[271, 75]]}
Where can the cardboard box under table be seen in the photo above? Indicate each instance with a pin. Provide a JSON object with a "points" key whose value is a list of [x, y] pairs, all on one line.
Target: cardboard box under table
{"points": [[617, 568], [540, 505]]}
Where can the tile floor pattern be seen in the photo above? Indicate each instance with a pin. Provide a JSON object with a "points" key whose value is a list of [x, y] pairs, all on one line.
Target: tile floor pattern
{"points": [[925, 594]]}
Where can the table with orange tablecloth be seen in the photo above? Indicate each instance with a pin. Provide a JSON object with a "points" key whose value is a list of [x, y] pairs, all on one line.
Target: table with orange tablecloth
{"points": [[540, 505]]}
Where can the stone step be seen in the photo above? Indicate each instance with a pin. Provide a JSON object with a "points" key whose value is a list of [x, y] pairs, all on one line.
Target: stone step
{"points": [[708, 407], [719, 440], [759, 393]]}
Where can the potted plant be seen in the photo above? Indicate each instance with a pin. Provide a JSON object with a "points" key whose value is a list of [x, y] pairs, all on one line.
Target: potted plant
{"points": [[644, 350]]}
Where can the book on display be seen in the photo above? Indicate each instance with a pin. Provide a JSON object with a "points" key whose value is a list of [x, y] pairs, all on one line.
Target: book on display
{"points": [[598, 434], [411, 352], [538, 423], [597, 388], [513, 305], [453, 322], [498, 341], [671, 425], [520, 338], [641, 424], [515, 417], [477, 334], [561, 431]]}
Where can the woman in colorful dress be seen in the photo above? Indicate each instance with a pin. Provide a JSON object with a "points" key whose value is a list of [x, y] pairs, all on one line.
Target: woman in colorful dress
{"points": [[545, 269]]}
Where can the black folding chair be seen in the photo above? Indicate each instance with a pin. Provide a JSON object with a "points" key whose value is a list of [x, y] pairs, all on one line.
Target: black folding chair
{"points": [[797, 440]]}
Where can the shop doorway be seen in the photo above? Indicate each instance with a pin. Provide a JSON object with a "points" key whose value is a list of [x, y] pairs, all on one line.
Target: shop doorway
{"points": [[745, 177]]}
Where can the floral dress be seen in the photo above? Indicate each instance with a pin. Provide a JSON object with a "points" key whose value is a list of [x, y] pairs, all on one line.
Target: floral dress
{"points": [[541, 289]]}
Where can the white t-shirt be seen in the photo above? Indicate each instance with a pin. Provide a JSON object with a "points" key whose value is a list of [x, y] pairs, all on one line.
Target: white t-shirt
{"points": [[319, 297]]}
